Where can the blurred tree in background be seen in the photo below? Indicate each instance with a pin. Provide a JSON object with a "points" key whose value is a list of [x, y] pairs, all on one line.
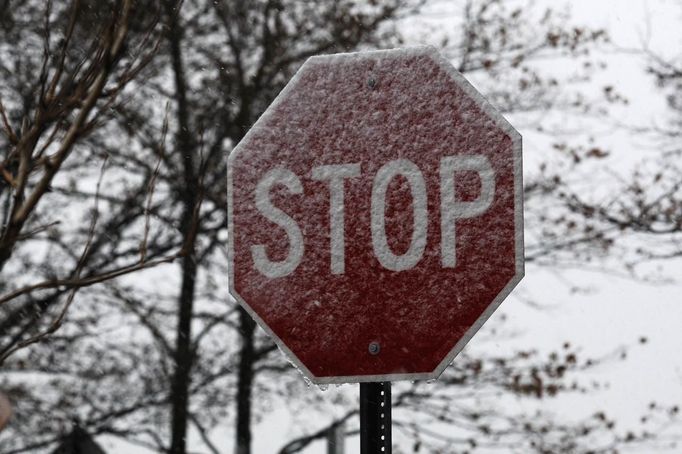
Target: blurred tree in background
{"points": [[117, 119]]}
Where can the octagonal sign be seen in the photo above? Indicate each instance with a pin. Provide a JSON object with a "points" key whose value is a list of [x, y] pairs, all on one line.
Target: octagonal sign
{"points": [[375, 216]]}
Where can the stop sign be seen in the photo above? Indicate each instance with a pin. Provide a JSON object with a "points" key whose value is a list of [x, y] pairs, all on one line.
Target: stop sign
{"points": [[375, 216]]}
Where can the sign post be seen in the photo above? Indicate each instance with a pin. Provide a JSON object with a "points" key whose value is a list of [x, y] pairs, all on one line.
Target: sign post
{"points": [[375, 418], [375, 220]]}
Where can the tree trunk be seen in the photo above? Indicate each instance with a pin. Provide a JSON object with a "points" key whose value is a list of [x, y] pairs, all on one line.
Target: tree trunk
{"points": [[183, 356], [247, 358], [183, 359]]}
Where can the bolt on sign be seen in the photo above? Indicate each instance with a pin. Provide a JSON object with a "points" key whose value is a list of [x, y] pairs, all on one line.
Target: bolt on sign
{"points": [[375, 216]]}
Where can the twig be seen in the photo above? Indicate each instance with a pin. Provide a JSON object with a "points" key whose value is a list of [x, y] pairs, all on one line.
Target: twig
{"points": [[89, 90], [152, 185], [203, 434], [9, 132], [42, 228], [90, 280], [57, 322]]}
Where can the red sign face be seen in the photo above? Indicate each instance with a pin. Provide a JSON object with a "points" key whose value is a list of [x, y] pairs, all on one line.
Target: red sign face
{"points": [[375, 215]]}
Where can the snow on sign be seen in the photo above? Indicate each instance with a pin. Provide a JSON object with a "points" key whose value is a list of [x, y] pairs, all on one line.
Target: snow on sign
{"points": [[375, 216]]}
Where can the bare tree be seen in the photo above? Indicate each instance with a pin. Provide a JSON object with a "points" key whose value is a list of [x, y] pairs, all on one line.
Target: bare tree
{"points": [[56, 95], [643, 217], [190, 169]]}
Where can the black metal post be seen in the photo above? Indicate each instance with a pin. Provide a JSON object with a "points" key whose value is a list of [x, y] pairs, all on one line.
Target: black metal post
{"points": [[375, 418]]}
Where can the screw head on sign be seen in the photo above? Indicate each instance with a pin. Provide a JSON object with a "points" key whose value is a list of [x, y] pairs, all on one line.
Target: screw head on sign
{"points": [[374, 348]]}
